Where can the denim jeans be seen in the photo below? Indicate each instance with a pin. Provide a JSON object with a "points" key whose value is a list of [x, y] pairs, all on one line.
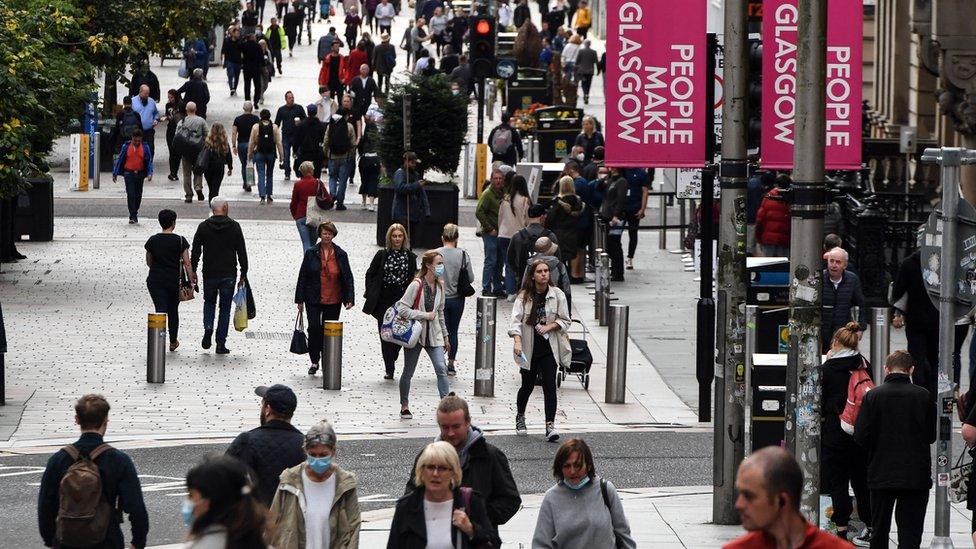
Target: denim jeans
{"points": [[453, 309], [242, 155], [133, 191], [306, 233], [491, 274], [510, 279], [233, 75], [338, 177], [410, 357], [286, 146], [212, 287], [264, 168], [351, 166]]}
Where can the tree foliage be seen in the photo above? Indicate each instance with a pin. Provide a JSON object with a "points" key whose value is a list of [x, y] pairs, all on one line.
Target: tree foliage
{"points": [[438, 123]]}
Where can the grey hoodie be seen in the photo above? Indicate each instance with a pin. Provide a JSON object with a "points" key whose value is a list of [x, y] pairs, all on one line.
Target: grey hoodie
{"points": [[580, 519], [474, 434]]}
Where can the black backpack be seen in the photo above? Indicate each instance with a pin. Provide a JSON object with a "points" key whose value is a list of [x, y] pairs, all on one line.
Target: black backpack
{"points": [[266, 140], [131, 121], [339, 142]]}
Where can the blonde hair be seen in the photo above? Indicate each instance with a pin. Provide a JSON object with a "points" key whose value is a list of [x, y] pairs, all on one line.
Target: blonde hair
{"points": [[426, 261], [450, 233], [306, 168], [217, 139], [846, 335], [566, 186], [438, 453], [389, 236]]}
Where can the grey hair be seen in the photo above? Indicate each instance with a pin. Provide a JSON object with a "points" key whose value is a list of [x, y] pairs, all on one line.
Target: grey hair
{"points": [[218, 203], [847, 256], [320, 433], [248, 106], [197, 73]]}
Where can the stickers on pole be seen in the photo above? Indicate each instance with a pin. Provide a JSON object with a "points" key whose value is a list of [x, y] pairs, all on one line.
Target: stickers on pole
{"points": [[965, 271], [843, 87], [656, 83]]}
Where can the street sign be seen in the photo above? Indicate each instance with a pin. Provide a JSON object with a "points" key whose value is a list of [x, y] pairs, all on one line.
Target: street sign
{"points": [[965, 272]]}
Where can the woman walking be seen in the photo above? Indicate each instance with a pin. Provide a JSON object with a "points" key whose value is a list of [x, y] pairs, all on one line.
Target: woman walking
{"points": [[582, 510], [440, 514], [513, 216], [304, 188], [564, 218], [217, 151], [423, 301], [316, 504], [168, 258], [540, 318], [589, 139], [264, 143], [386, 280], [456, 261], [220, 509], [370, 166], [325, 285], [174, 113]]}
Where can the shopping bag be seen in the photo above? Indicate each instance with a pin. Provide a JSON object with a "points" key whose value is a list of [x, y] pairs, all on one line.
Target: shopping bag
{"points": [[251, 308], [183, 72], [240, 309], [299, 343], [249, 175], [959, 478]]}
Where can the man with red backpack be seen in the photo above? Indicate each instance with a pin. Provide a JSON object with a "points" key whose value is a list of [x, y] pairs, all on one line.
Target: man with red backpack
{"points": [[87, 486]]}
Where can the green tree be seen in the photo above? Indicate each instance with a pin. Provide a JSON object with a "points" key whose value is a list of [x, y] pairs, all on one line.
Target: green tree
{"points": [[438, 123]]}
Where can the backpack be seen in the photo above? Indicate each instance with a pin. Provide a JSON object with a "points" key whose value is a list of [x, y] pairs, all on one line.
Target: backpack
{"points": [[131, 121], [501, 142], [390, 60], [339, 142], [266, 140], [858, 386], [83, 512], [186, 141]]}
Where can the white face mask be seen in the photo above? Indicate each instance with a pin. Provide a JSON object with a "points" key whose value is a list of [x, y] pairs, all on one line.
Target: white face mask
{"points": [[580, 156]]}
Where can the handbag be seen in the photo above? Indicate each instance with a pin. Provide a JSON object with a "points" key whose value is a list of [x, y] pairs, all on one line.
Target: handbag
{"points": [[299, 343], [959, 478], [404, 332], [314, 216], [186, 288], [464, 287]]}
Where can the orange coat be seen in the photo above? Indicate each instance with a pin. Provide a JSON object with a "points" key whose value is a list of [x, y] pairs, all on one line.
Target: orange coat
{"points": [[343, 70]]}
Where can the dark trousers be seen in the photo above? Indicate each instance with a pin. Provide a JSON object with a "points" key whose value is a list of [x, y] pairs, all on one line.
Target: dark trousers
{"points": [[391, 351], [633, 224], [316, 158], [174, 159], [252, 77], [276, 57], [909, 515], [381, 81], [586, 80], [317, 314], [616, 250], [286, 160], [166, 299], [386, 29], [213, 287], [292, 37], [453, 309], [149, 138], [213, 183], [242, 156], [8, 211], [547, 366], [133, 191], [842, 468]]}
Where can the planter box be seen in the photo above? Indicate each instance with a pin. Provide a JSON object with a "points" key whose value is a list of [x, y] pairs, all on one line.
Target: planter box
{"points": [[443, 200], [34, 210]]}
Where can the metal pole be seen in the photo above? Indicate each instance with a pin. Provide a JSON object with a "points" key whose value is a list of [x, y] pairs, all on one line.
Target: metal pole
{"points": [[332, 355], [484, 358], [803, 381], [880, 341], [481, 109], [663, 237], [597, 287], [604, 288], [751, 312], [156, 348], [97, 173], [682, 220], [617, 354]]}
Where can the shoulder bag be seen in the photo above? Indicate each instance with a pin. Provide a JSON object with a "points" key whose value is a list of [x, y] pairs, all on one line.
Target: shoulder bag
{"points": [[959, 478], [186, 287], [464, 287]]}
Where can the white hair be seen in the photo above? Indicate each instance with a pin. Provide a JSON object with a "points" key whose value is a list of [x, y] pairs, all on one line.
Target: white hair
{"points": [[191, 107], [197, 73], [218, 203], [841, 251], [248, 106]]}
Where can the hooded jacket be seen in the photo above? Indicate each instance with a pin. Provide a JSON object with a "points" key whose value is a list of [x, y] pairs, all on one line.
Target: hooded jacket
{"points": [[221, 241], [773, 220], [288, 511]]}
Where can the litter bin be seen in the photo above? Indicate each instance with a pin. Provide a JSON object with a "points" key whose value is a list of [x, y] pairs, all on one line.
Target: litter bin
{"points": [[35, 210], [556, 130], [526, 87]]}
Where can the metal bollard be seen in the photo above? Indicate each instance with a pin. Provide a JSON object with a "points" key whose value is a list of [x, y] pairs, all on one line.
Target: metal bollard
{"points": [[156, 348], [682, 221], [97, 171], [332, 355], [617, 354], [663, 238], [484, 357], [597, 286], [604, 289], [880, 341], [535, 150]]}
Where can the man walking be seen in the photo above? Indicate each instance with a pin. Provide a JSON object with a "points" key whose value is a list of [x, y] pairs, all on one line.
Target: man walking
{"points": [[463, 77], [277, 41], [196, 91], [252, 59], [231, 51], [240, 137], [340, 142], [410, 204], [309, 135], [148, 112], [523, 242], [325, 43], [274, 446], [841, 291], [897, 426], [67, 487], [487, 214], [287, 116], [586, 60], [384, 60], [221, 242], [484, 467], [192, 129], [505, 144], [333, 70], [363, 89], [135, 165], [385, 12]]}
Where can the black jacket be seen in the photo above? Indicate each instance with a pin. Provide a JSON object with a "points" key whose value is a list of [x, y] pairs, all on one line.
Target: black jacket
{"points": [[837, 303], [252, 57], [897, 426], [409, 531], [920, 314], [198, 92], [309, 287], [378, 295], [833, 399], [449, 63], [520, 15], [222, 243], [119, 483], [488, 473], [615, 200], [308, 138], [268, 450], [563, 218], [522, 246]]}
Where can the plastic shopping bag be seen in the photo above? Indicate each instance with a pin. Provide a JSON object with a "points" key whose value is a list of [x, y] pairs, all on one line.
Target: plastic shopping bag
{"points": [[240, 309]]}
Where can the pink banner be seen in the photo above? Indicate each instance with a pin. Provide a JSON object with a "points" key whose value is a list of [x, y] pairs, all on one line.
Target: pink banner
{"points": [[844, 84], [656, 83]]}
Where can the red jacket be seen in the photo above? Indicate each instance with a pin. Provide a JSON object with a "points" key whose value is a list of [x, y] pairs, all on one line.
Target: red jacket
{"points": [[354, 60], [773, 220], [304, 188], [343, 70]]}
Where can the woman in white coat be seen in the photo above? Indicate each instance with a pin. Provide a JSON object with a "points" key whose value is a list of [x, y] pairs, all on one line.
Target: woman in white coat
{"points": [[424, 301], [540, 318]]}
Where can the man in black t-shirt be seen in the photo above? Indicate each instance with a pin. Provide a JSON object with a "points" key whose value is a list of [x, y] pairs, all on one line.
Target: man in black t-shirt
{"points": [[240, 136], [286, 117], [168, 260], [232, 53]]}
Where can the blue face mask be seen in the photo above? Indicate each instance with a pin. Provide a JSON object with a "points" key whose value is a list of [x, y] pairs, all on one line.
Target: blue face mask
{"points": [[582, 483], [439, 270], [319, 465], [187, 511]]}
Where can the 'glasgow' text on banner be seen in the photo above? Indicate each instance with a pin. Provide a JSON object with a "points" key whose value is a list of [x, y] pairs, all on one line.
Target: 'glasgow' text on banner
{"points": [[656, 83]]}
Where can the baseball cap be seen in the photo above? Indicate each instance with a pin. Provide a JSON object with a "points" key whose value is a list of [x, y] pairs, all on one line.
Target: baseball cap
{"points": [[320, 433], [280, 397], [312, 109]]}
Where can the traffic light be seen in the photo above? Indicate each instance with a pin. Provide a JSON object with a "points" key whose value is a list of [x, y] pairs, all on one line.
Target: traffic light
{"points": [[754, 104], [482, 45]]}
